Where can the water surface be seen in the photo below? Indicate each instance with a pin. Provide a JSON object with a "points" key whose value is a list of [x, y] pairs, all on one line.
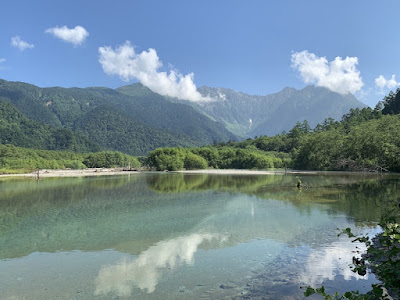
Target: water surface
{"points": [[176, 236]]}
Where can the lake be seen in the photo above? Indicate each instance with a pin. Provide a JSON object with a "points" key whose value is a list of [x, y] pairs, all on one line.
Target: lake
{"points": [[185, 236]]}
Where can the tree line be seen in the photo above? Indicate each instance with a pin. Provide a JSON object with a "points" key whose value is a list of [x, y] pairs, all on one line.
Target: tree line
{"points": [[15, 159]]}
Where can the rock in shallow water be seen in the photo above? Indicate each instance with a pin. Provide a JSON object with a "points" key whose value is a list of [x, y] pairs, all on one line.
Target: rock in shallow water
{"points": [[227, 286]]}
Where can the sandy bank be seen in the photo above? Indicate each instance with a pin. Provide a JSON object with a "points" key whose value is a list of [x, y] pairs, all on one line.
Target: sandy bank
{"points": [[118, 171], [272, 172], [243, 172], [73, 173], [230, 172]]}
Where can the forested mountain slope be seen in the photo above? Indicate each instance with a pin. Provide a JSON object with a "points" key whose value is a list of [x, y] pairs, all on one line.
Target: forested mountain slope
{"points": [[177, 117], [18, 130], [148, 113], [113, 130]]}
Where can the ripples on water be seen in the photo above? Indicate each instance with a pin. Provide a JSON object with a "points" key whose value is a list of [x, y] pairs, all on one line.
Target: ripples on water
{"points": [[169, 236]]}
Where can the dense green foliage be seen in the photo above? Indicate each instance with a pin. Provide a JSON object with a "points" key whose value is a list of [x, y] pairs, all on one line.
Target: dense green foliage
{"points": [[369, 145], [222, 157], [18, 130], [193, 161], [391, 103], [14, 158], [171, 159], [110, 159], [24, 97], [113, 130]]}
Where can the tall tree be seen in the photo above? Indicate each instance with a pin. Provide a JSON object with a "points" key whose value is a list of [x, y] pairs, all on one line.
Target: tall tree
{"points": [[391, 103]]}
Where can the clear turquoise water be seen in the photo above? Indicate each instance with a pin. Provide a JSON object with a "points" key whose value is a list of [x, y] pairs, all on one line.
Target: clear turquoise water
{"points": [[175, 236]]}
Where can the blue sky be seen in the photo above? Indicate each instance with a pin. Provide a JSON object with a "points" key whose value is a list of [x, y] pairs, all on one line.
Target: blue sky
{"points": [[257, 47]]}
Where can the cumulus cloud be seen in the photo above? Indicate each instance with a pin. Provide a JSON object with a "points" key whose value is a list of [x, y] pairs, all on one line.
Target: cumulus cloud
{"points": [[20, 44], [383, 83], [75, 36], [340, 75], [127, 64]]}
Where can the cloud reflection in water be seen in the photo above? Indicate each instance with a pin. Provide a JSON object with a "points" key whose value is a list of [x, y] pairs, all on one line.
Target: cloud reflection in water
{"points": [[332, 261], [145, 271]]}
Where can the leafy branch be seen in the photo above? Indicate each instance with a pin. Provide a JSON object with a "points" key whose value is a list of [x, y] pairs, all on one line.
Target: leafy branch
{"points": [[382, 258]]}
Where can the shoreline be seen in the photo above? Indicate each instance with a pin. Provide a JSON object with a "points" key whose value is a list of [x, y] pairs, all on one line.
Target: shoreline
{"points": [[46, 173], [231, 172], [277, 172]]}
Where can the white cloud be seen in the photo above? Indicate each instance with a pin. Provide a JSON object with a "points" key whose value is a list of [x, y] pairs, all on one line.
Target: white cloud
{"points": [[20, 44], [340, 75], [75, 36], [221, 95], [2, 60], [383, 83], [127, 64]]}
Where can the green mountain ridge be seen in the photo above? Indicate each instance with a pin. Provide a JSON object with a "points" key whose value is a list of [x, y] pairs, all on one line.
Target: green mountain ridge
{"points": [[187, 120], [148, 113]]}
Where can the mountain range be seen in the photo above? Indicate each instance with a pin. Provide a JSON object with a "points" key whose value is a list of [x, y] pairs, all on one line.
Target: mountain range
{"points": [[249, 116], [135, 120]]}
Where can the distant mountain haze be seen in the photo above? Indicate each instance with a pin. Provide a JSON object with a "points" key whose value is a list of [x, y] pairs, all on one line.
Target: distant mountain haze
{"points": [[249, 115], [252, 115]]}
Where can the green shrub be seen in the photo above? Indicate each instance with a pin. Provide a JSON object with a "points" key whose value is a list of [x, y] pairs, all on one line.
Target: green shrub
{"points": [[171, 159], [210, 154], [110, 159], [193, 161], [75, 164]]}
